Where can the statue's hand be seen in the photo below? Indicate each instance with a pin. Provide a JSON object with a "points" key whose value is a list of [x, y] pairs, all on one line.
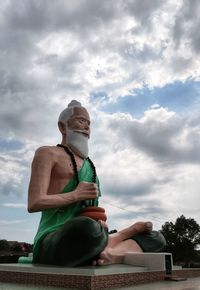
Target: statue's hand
{"points": [[85, 190]]}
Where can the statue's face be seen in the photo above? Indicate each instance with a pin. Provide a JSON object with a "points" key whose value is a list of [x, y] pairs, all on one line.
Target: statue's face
{"points": [[80, 121], [78, 132]]}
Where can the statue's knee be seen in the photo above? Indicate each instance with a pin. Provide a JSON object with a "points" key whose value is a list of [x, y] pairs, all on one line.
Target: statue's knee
{"points": [[161, 241]]}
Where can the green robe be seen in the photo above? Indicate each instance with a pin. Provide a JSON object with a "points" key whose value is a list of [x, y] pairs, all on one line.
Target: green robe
{"points": [[52, 219]]}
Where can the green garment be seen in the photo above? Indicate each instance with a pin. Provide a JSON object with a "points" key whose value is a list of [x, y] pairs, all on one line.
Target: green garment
{"points": [[75, 243], [153, 242], [52, 219]]}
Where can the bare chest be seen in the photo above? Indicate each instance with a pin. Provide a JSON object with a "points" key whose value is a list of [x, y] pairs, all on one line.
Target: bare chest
{"points": [[63, 172]]}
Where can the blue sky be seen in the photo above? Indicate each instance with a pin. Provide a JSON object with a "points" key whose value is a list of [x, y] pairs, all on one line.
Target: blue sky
{"points": [[136, 68], [181, 97]]}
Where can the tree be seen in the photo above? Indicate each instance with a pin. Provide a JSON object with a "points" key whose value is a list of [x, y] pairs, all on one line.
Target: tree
{"points": [[16, 247], [182, 238], [4, 245]]}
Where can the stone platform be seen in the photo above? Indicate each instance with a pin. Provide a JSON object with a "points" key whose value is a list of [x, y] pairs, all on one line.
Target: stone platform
{"points": [[89, 278]]}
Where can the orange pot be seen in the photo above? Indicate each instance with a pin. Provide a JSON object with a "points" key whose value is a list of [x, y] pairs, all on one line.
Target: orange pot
{"points": [[94, 212]]}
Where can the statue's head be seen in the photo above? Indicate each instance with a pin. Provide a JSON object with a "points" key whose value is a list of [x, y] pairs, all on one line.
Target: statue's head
{"points": [[74, 125]]}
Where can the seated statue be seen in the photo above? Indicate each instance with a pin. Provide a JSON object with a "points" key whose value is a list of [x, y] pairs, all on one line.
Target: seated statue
{"points": [[63, 181]]}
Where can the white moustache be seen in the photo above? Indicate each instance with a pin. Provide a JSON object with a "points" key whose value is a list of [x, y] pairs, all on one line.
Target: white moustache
{"points": [[84, 132]]}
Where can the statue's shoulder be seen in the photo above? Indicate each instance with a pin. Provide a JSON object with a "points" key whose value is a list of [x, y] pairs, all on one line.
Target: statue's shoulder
{"points": [[46, 151]]}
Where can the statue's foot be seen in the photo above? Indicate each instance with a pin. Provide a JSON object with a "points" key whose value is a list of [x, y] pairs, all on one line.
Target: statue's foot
{"points": [[108, 257], [142, 227]]}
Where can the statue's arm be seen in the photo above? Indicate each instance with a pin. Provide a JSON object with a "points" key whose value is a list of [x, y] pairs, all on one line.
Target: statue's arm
{"points": [[38, 197]]}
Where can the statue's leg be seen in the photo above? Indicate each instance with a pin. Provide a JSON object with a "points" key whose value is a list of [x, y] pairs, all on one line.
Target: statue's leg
{"points": [[116, 254], [127, 233], [76, 242], [121, 242], [151, 242]]}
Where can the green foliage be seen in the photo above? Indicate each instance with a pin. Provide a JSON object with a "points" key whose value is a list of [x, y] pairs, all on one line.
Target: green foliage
{"points": [[4, 245], [182, 238], [16, 247]]}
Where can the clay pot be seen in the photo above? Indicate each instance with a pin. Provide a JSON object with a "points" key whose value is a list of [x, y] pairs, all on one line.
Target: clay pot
{"points": [[94, 212]]}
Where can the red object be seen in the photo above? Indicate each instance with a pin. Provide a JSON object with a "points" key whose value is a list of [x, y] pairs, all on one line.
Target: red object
{"points": [[96, 213]]}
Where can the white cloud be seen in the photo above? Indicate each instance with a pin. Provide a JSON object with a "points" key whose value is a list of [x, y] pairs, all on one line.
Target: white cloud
{"points": [[148, 167], [76, 49], [14, 205], [11, 222], [10, 168]]}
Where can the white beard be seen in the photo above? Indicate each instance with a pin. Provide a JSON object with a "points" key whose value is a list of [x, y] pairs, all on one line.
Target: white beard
{"points": [[77, 142]]}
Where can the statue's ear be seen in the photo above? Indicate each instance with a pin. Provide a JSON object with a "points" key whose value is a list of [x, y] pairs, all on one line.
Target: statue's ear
{"points": [[62, 127]]}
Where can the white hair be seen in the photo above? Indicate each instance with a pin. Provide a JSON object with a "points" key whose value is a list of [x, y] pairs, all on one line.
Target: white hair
{"points": [[66, 114]]}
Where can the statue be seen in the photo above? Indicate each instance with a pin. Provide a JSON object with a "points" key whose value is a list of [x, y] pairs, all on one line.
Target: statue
{"points": [[64, 186]]}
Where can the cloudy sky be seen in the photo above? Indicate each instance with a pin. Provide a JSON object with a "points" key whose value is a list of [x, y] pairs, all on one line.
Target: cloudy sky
{"points": [[135, 66]]}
